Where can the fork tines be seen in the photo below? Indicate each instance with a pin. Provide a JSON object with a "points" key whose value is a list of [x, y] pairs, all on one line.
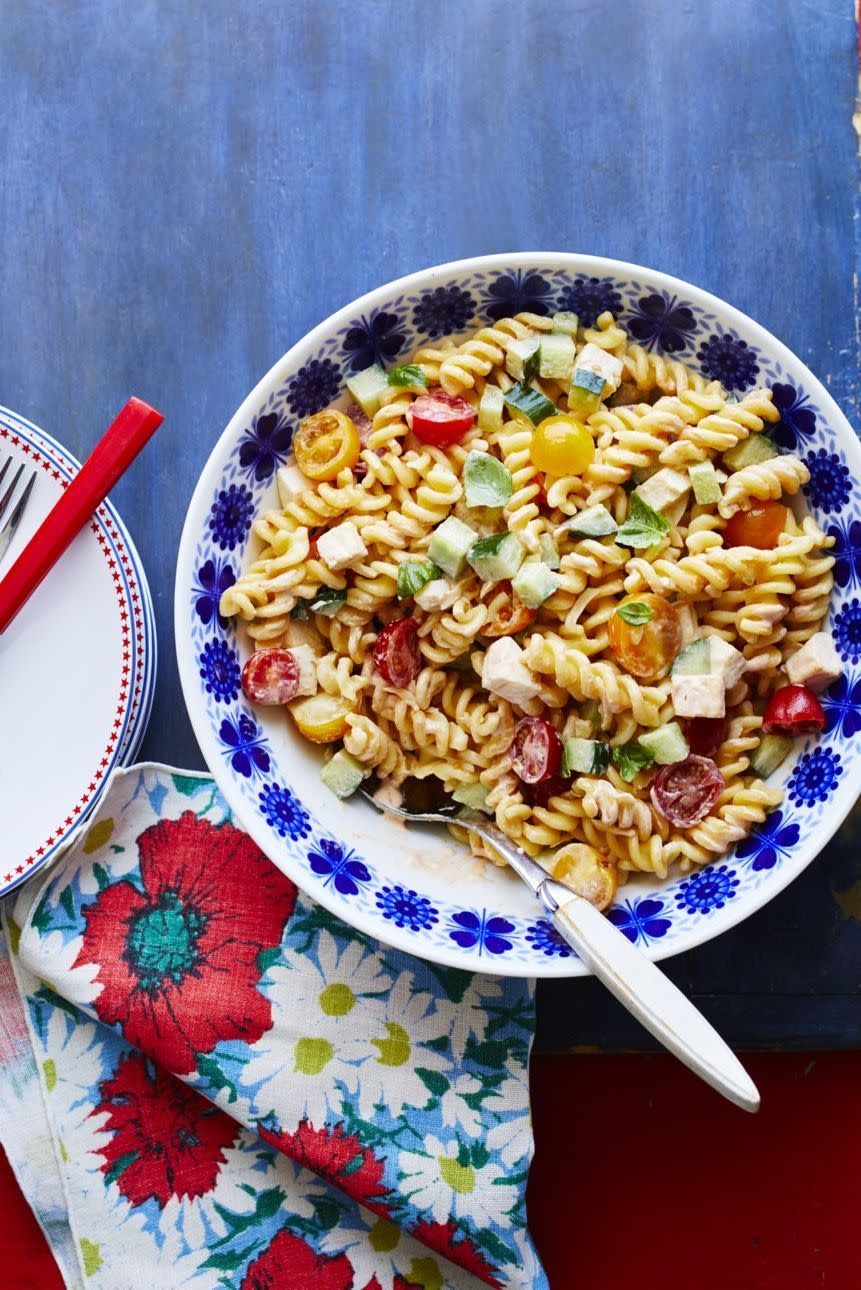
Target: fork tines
{"points": [[7, 532]]}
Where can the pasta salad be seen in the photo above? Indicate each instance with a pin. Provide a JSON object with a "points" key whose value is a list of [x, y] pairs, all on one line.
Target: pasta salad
{"points": [[558, 575]]}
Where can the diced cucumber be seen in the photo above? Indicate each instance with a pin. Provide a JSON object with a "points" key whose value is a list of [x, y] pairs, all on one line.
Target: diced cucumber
{"points": [[496, 557], [595, 522], [750, 452], [584, 757], [473, 796], [640, 474], [705, 483], [528, 404], [449, 544], [486, 481], [556, 357], [343, 774], [585, 393], [565, 323], [694, 659], [667, 744], [534, 582], [490, 409], [367, 388], [521, 358], [549, 554], [772, 750], [590, 711]]}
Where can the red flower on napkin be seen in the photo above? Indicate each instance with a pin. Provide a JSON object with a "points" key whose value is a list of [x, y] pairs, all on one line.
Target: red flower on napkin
{"points": [[448, 1240], [339, 1157], [166, 1139], [178, 960], [288, 1261]]}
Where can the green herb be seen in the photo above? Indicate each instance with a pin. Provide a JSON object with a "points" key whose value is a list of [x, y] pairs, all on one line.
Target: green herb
{"points": [[415, 574], [486, 480], [636, 613], [408, 374], [644, 526], [328, 601], [631, 758], [300, 610], [523, 401]]}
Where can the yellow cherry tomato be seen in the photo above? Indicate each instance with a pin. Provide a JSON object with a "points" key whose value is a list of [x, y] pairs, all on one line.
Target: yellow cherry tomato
{"points": [[647, 647], [562, 446], [322, 718], [585, 871], [325, 443]]}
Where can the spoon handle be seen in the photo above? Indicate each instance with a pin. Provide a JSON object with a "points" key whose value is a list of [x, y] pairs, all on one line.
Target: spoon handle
{"points": [[651, 997], [637, 982]]}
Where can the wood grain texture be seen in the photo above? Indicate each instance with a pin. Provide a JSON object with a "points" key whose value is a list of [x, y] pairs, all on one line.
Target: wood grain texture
{"points": [[188, 187]]}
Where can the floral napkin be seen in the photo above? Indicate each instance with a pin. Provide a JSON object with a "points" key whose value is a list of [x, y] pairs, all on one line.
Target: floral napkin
{"points": [[207, 1080]]}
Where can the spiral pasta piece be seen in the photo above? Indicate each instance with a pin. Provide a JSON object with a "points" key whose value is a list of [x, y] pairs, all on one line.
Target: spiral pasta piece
{"points": [[615, 691], [721, 429], [765, 481], [370, 745]]}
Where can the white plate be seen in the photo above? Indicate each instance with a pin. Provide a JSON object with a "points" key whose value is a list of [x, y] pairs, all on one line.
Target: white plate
{"points": [[77, 668], [419, 890]]}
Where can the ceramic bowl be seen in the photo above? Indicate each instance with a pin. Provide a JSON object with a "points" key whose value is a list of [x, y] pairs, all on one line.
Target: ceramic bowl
{"points": [[419, 890]]}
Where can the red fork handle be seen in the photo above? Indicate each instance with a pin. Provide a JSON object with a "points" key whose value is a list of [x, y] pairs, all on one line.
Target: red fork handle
{"points": [[110, 458]]}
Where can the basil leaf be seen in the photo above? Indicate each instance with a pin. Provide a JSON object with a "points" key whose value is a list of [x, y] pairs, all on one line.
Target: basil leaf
{"points": [[300, 610], [486, 480], [644, 526], [636, 613], [415, 574], [408, 374], [328, 601], [631, 758]]}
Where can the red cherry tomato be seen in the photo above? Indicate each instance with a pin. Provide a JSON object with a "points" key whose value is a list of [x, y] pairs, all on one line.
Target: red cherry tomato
{"points": [[536, 750], [793, 710], [540, 794], [760, 526], [396, 652], [705, 734], [440, 419], [511, 616], [271, 676], [685, 792]]}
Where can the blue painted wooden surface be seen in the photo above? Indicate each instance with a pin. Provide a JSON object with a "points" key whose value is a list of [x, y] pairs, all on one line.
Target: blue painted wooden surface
{"points": [[189, 185]]}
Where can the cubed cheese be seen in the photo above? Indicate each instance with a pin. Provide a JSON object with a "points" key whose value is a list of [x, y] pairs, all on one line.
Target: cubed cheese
{"points": [[437, 594], [699, 696], [725, 661], [300, 631], [595, 359], [291, 482], [816, 664], [341, 546], [666, 487], [307, 660], [504, 672]]}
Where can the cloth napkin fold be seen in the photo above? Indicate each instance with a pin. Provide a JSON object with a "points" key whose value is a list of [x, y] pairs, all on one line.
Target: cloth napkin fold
{"points": [[208, 1080]]}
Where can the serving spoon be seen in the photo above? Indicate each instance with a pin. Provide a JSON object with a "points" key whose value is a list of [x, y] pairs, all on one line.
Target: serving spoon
{"points": [[637, 982]]}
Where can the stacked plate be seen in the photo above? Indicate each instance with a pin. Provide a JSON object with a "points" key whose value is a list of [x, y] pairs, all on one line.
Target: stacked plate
{"points": [[77, 669]]}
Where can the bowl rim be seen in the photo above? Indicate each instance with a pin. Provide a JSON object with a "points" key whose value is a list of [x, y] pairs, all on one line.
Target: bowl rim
{"points": [[705, 930]]}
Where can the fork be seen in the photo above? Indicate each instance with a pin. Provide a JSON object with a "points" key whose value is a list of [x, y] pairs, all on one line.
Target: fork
{"points": [[8, 530], [637, 982]]}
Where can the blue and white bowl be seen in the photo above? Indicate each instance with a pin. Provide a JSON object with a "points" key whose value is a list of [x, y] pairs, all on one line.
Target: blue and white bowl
{"points": [[419, 890]]}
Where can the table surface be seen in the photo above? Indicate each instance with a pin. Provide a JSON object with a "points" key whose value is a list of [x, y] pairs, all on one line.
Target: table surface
{"points": [[190, 185]]}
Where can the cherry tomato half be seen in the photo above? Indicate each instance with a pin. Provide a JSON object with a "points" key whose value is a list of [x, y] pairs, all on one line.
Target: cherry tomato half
{"points": [[322, 718], [705, 734], [585, 871], [540, 794], [646, 651], [396, 652], [440, 419], [270, 676], [562, 446], [793, 710], [536, 750], [511, 616], [760, 526], [325, 443], [685, 792]]}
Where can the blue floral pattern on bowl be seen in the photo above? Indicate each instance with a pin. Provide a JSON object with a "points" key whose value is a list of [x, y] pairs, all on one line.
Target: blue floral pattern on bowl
{"points": [[371, 886]]}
